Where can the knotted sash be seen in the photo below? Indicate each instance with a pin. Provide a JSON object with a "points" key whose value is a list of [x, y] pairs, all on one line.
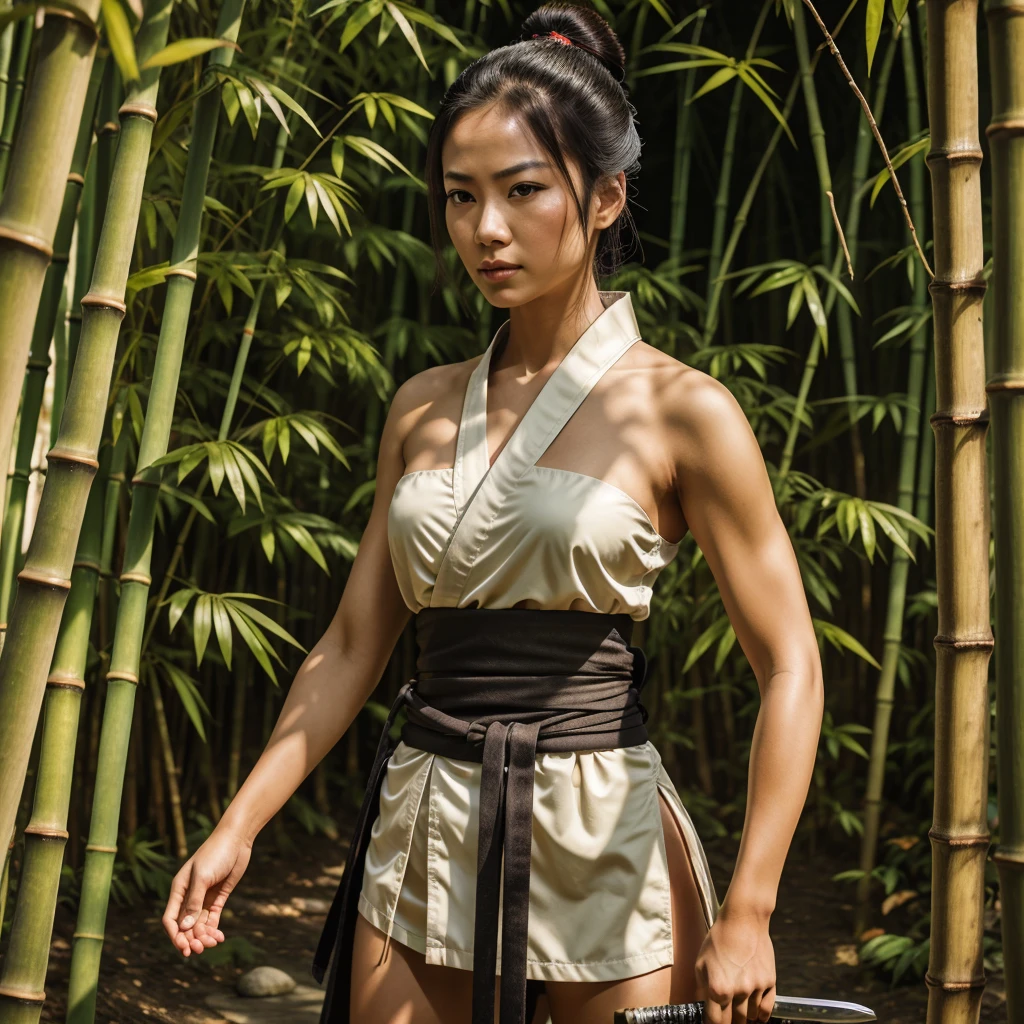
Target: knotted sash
{"points": [[496, 686]]}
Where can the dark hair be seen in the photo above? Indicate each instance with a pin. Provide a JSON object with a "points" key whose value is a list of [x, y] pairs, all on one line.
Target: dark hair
{"points": [[567, 97]]}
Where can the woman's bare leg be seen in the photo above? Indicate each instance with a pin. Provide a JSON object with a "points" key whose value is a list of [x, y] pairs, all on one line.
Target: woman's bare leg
{"points": [[405, 989], [594, 1002]]}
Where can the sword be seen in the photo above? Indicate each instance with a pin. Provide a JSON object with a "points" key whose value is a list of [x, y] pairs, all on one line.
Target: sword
{"points": [[787, 1008]]}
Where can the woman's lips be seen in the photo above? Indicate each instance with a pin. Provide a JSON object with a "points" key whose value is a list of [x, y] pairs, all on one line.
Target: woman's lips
{"points": [[499, 273]]}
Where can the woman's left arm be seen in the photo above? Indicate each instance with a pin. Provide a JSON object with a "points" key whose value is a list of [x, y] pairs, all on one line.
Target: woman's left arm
{"points": [[727, 500]]}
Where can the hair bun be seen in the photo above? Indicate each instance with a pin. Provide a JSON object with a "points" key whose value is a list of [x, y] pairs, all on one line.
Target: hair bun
{"points": [[584, 27]]}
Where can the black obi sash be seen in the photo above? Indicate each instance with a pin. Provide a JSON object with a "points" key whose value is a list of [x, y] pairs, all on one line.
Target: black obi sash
{"points": [[496, 686]]}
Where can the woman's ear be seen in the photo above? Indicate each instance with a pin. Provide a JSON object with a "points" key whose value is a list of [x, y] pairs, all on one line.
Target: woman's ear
{"points": [[610, 197]]}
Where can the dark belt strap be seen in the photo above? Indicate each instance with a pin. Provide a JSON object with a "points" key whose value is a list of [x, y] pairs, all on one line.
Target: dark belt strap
{"points": [[502, 720]]}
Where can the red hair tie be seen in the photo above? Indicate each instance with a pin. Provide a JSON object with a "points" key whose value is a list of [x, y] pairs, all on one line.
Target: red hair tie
{"points": [[555, 35]]}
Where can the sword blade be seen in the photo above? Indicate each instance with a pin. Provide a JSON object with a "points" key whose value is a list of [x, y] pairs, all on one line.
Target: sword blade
{"points": [[834, 1011]]}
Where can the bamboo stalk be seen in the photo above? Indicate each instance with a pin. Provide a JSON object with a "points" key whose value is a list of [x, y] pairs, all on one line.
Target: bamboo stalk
{"points": [[1005, 390], [728, 157], [896, 601], [123, 675], [25, 33], [959, 834], [23, 973], [28, 215], [39, 357]]}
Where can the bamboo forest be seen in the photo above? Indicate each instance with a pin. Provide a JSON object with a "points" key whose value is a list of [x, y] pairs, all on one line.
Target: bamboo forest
{"points": [[216, 268]]}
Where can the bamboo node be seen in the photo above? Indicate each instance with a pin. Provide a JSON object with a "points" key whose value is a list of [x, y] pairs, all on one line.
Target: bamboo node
{"points": [[1006, 854], [38, 364], [95, 848], [126, 677], [85, 563], [72, 458], [89, 935], [976, 286], [954, 986], [108, 128], [960, 840], [76, 178], [1008, 126], [23, 995], [46, 833], [75, 14], [97, 301], [954, 156], [964, 419], [182, 272], [57, 582], [68, 682], [136, 109], [136, 577], [1004, 10], [1005, 382], [139, 479], [966, 642], [26, 241]]}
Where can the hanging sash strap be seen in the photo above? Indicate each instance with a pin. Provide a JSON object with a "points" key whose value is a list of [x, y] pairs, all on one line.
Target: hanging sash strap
{"points": [[497, 687]]}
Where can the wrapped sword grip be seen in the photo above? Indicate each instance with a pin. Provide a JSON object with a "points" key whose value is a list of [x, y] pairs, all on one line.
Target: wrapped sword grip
{"points": [[681, 1013]]}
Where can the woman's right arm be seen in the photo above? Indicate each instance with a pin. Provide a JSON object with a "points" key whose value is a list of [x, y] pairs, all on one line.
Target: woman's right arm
{"points": [[331, 686]]}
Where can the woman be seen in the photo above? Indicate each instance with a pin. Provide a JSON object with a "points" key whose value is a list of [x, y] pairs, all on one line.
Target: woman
{"points": [[525, 503]]}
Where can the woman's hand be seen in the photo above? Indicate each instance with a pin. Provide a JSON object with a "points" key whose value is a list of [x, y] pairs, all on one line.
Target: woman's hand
{"points": [[201, 888], [736, 969]]}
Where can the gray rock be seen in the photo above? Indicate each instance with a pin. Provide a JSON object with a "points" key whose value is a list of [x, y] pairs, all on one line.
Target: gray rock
{"points": [[265, 981], [311, 905]]}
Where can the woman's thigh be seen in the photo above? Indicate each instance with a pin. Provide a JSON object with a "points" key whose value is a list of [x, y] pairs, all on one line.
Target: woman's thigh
{"points": [[594, 1002], [405, 989]]}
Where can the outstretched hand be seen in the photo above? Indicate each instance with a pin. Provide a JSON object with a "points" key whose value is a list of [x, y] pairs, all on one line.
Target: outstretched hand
{"points": [[201, 888], [736, 969]]}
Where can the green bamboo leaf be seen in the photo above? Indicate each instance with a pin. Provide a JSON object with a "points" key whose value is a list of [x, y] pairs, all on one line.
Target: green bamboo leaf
{"points": [[795, 304], [899, 9], [817, 310], [177, 604], [222, 627], [704, 642], [295, 194], [720, 77], [185, 49], [873, 28], [867, 531], [189, 695], [282, 97], [889, 529], [202, 622], [190, 499], [216, 465], [725, 645], [312, 202], [407, 30], [119, 37], [259, 651], [270, 100], [244, 467], [359, 20], [267, 539], [250, 106], [332, 215], [284, 441], [751, 82], [234, 475], [264, 620], [304, 539], [839, 639]]}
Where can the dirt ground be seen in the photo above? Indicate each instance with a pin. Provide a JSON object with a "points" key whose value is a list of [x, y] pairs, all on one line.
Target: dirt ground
{"points": [[279, 910]]}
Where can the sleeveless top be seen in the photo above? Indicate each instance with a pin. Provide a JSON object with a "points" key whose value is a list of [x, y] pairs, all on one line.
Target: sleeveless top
{"points": [[521, 534], [517, 534]]}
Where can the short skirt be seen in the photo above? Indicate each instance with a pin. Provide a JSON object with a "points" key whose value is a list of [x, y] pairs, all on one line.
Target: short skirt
{"points": [[600, 900]]}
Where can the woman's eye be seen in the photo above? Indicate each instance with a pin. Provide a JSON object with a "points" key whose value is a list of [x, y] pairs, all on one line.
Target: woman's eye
{"points": [[456, 193]]}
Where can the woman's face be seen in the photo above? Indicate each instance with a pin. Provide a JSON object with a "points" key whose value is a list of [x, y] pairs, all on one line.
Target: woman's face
{"points": [[507, 203]]}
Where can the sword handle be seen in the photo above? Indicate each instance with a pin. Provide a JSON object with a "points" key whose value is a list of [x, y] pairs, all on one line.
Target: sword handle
{"points": [[679, 1013]]}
